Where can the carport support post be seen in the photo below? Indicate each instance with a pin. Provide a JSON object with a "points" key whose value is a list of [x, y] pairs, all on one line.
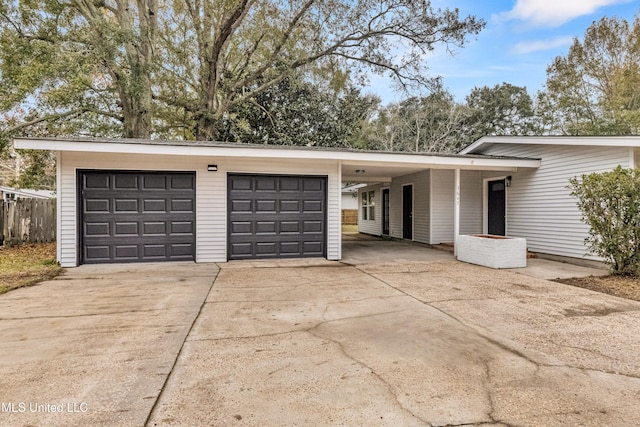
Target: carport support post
{"points": [[456, 212]]}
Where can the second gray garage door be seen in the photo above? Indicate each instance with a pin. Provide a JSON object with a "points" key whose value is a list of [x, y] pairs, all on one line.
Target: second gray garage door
{"points": [[276, 216]]}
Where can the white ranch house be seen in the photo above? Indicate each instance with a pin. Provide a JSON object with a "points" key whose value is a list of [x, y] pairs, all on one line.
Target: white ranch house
{"points": [[146, 200]]}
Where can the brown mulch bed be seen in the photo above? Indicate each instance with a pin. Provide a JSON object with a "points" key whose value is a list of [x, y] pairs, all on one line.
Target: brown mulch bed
{"points": [[26, 265], [620, 286]]}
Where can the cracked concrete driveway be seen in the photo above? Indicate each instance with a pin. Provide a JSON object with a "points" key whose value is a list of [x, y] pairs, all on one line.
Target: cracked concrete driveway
{"points": [[407, 343]]}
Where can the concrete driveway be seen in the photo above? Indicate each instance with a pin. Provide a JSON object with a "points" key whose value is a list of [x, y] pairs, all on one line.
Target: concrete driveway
{"points": [[417, 342], [95, 346]]}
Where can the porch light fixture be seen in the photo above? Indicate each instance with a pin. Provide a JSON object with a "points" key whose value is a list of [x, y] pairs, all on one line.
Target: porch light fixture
{"points": [[360, 171], [212, 168], [507, 181]]}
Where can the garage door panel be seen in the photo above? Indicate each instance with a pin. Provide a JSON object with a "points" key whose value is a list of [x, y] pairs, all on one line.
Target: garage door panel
{"points": [[313, 185], [125, 182], [126, 252], [182, 205], [154, 182], [290, 248], [182, 250], [290, 184], [135, 219], [313, 247], [265, 227], [155, 251], [290, 227], [97, 253], [313, 227], [181, 182], [97, 205], [267, 216], [154, 228], [241, 206], [266, 184], [154, 205], [312, 205], [266, 206], [97, 182], [265, 248], [125, 205], [290, 206], [97, 229], [239, 249], [241, 184], [182, 227], [126, 229]]}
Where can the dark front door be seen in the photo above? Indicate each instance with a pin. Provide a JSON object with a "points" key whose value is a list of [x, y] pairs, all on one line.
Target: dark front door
{"points": [[131, 216], [385, 211], [407, 212], [276, 216], [496, 207]]}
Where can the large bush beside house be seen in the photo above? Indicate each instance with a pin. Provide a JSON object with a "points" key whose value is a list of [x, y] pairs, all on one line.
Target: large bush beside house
{"points": [[610, 205]]}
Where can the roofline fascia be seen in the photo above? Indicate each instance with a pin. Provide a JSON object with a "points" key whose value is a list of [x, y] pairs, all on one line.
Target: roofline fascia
{"points": [[348, 157], [619, 141]]}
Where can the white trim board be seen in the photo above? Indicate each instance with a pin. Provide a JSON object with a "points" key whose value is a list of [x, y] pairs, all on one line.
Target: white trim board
{"points": [[417, 160], [615, 141]]}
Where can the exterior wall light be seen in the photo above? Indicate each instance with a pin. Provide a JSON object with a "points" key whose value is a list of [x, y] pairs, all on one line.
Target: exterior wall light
{"points": [[212, 168]]}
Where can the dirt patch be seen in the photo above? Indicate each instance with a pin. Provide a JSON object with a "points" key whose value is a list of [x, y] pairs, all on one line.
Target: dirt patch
{"points": [[620, 286], [26, 265]]}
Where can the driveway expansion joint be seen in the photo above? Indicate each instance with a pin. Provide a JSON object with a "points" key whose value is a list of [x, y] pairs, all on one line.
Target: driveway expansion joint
{"points": [[175, 360]]}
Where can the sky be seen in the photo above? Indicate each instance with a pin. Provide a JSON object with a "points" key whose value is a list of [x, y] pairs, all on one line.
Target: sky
{"points": [[521, 38]]}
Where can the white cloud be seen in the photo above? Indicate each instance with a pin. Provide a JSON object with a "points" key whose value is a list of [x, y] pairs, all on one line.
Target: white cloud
{"points": [[538, 45], [553, 13]]}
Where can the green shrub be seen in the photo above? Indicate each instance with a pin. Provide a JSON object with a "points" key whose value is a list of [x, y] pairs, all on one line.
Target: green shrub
{"points": [[610, 205]]}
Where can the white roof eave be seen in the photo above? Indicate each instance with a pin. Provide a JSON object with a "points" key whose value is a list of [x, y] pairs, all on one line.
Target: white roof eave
{"points": [[612, 141], [347, 157]]}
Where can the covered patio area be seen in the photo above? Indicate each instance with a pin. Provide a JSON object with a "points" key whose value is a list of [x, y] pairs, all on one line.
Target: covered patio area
{"points": [[433, 199]]}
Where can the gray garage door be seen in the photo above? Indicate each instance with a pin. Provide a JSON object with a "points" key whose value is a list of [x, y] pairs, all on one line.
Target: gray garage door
{"points": [[137, 216], [276, 216]]}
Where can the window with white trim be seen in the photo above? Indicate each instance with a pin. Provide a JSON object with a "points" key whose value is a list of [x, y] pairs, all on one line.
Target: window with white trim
{"points": [[369, 205]]}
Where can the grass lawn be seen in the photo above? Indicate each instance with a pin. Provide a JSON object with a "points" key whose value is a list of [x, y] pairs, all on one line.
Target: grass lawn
{"points": [[26, 265]]}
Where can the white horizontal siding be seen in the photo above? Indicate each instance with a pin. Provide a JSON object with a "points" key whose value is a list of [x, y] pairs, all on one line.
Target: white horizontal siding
{"points": [[421, 205], [442, 206], [470, 202], [211, 194], [540, 207], [371, 226]]}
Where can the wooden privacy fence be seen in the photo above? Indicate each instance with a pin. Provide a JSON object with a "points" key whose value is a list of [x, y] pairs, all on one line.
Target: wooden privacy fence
{"points": [[27, 221], [349, 216]]}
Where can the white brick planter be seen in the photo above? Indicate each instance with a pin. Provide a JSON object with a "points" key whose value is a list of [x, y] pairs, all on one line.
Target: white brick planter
{"points": [[492, 251]]}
